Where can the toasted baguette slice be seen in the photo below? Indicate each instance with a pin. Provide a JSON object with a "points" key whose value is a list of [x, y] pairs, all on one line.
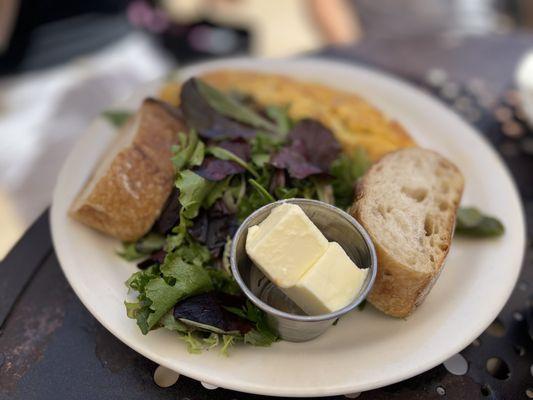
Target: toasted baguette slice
{"points": [[408, 202], [128, 189]]}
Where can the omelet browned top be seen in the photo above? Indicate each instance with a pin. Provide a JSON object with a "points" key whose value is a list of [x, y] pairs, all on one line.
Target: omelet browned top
{"points": [[354, 121]]}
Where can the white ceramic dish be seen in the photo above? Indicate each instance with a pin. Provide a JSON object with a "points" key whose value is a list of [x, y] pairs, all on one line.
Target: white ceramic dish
{"points": [[366, 349]]}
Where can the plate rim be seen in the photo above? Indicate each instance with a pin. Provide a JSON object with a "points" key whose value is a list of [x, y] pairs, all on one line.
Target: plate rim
{"points": [[352, 386]]}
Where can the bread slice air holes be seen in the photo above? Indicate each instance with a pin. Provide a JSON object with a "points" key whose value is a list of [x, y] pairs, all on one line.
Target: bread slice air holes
{"points": [[418, 194], [412, 238]]}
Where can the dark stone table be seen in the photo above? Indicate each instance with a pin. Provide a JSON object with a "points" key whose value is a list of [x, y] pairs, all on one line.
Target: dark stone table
{"points": [[52, 348]]}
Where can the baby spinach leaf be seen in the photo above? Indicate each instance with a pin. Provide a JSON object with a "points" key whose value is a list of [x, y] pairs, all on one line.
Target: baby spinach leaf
{"points": [[230, 107], [200, 115], [472, 222]]}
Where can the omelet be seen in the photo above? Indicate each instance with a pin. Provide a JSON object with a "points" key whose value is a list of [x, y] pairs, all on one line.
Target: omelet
{"points": [[354, 121]]}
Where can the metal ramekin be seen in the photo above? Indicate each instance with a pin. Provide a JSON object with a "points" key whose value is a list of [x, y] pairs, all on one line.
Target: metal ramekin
{"points": [[289, 321]]}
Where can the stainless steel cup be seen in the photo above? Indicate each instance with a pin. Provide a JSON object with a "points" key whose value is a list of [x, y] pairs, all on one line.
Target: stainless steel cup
{"points": [[290, 322]]}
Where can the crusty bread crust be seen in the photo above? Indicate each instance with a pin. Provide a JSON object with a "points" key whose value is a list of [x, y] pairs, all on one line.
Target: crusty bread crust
{"points": [[399, 288], [127, 197]]}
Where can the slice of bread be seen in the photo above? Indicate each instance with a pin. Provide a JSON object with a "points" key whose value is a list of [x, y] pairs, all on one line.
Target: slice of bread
{"points": [[130, 185], [408, 202]]}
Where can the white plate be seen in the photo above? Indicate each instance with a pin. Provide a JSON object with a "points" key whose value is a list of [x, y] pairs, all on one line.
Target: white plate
{"points": [[366, 349]]}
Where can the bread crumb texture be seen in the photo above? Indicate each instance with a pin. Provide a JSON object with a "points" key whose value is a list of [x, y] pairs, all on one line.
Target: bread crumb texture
{"points": [[408, 203]]}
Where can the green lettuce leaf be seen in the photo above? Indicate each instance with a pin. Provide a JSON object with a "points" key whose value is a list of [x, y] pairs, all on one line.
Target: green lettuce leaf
{"points": [[472, 222], [223, 282], [197, 156], [262, 335], [193, 190], [211, 341], [280, 115], [227, 342], [129, 252], [181, 275], [345, 171], [263, 145], [117, 118], [194, 344], [216, 192], [189, 152], [140, 279], [169, 322], [257, 338], [143, 247], [150, 243], [190, 279]]}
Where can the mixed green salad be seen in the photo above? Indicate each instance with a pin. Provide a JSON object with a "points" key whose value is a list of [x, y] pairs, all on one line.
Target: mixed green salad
{"points": [[236, 157]]}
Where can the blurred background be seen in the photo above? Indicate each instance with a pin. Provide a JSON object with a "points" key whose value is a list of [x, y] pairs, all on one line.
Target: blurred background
{"points": [[64, 61]]}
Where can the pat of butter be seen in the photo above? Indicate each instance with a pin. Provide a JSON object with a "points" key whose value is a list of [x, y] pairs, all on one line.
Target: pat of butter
{"points": [[330, 284], [285, 245]]}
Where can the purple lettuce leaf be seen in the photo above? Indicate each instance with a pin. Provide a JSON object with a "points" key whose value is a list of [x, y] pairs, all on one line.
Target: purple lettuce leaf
{"points": [[294, 162], [209, 310], [311, 150], [212, 229], [220, 208], [170, 216], [209, 123], [214, 169], [157, 257], [240, 147], [279, 179], [316, 142]]}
